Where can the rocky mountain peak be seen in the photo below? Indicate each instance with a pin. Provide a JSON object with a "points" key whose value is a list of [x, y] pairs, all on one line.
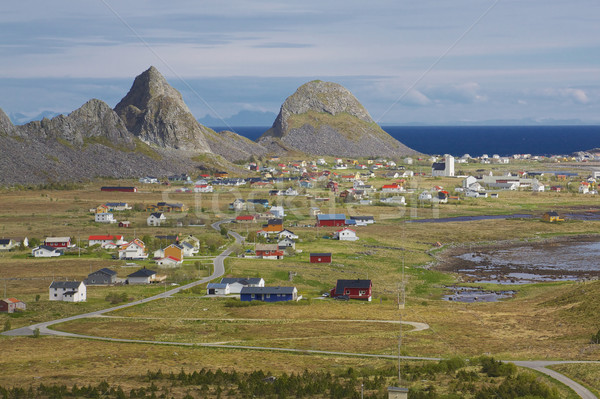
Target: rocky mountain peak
{"points": [[324, 118], [6, 126], [155, 112], [147, 86], [319, 97]]}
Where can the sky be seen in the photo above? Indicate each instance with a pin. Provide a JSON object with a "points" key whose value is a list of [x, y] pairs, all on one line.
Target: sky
{"points": [[407, 62]]}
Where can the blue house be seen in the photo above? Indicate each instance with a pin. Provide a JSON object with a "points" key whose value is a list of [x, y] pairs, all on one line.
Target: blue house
{"points": [[269, 294]]}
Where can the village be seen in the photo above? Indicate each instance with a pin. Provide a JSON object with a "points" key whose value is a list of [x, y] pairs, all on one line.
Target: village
{"points": [[326, 187], [323, 239]]}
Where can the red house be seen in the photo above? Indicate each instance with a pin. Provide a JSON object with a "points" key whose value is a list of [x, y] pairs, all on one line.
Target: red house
{"points": [[58, 242], [354, 289], [10, 305], [331, 219], [320, 257], [268, 251]]}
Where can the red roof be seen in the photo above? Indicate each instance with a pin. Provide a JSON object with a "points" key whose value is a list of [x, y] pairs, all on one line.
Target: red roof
{"points": [[104, 238], [13, 300], [346, 228], [245, 217], [391, 186]]}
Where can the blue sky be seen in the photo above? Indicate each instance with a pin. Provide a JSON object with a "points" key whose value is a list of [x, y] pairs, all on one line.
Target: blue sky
{"points": [[425, 62]]}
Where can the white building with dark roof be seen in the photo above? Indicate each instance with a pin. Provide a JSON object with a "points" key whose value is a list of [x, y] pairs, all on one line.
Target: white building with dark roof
{"points": [[68, 291]]}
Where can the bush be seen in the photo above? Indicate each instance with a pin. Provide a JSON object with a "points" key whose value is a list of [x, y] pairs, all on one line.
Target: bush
{"points": [[115, 298]]}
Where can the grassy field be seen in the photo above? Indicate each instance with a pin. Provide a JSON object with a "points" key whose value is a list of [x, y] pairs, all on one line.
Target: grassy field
{"points": [[542, 321]]}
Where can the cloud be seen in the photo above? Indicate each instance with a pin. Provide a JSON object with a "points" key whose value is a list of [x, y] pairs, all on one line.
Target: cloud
{"points": [[576, 95], [465, 93], [415, 98]]}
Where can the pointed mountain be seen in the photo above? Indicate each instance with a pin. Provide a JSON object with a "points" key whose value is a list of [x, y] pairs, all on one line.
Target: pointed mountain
{"points": [[324, 118], [6, 126], [155, 112]]}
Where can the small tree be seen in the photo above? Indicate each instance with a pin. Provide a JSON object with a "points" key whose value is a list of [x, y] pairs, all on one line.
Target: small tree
{"points": [[36, 333], [596, 338], [7, 326]]}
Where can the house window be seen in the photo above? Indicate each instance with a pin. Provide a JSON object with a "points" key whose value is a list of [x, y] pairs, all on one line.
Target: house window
{"points": [[362, 292], [347, 292], [55, 295], [268, 295], [252, 296]]}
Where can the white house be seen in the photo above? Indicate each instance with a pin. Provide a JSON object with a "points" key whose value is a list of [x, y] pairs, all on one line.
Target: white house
{"points": [[314, 211], [277, 211], [149, 180], [155, 219], [169, 261], [537, 186], [285, 243], [44, 251], [291, 192], [217, 289], [396, 200], [117, 206], [133, 250], [345, 234], [68, 291], [392, 188], [203, 188], [408, 161], [425, 196], [286, 233], [188, 248], [236, 284], [106, 240]]}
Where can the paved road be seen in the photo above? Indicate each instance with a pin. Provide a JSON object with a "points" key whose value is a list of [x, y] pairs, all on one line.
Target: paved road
{"points": [[541, 367], [218, 271]]}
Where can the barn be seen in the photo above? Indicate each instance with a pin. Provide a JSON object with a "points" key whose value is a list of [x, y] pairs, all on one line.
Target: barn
{"points": [[119, 188], [331, 219], [354, 289], [320, 257]]}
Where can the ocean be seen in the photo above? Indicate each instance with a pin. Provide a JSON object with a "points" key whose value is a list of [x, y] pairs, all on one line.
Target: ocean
{"points": [[478, 140]]}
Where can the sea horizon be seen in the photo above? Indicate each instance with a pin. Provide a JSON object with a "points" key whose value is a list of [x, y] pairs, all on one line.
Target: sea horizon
{"points": [[457, 140]]}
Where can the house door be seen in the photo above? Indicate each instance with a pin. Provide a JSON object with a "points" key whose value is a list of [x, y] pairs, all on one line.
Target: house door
{"points": [[211, 291]]}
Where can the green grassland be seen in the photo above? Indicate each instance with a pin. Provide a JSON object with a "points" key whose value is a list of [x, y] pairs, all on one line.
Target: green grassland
{"points": [[543, 321]]}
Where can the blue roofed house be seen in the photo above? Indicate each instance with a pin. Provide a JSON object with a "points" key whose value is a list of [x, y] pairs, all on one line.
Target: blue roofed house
{"points": [[269, 294]]}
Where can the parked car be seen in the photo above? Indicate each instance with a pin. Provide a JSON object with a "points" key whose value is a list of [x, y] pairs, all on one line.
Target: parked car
{"points": [[326, 295]]}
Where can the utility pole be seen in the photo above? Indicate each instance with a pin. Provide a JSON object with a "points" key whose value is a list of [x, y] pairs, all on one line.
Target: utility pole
{"points": [[399, 352]]}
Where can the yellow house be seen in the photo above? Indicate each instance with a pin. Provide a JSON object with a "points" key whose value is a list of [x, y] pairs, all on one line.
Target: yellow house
{"points": [[102, 209], [552, 217], [174, 251]]}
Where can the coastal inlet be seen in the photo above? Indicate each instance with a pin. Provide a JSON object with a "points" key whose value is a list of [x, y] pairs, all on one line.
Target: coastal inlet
{"points": [[522, 263]]}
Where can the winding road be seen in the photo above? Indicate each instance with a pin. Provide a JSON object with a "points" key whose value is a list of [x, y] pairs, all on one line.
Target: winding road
{"points": [[218, 271]]}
